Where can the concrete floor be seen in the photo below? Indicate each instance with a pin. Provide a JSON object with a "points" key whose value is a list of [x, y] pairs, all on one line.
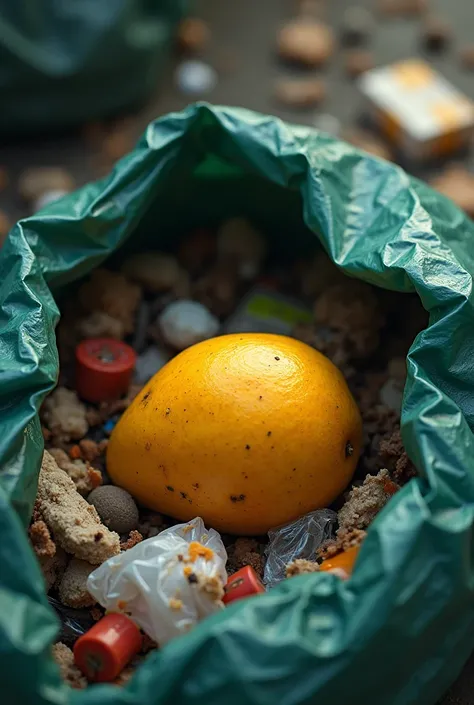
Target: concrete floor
{"points": [[245, 79]]}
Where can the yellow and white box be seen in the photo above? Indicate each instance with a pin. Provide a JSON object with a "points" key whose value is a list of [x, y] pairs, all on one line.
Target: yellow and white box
{"points": [[418, 110]]}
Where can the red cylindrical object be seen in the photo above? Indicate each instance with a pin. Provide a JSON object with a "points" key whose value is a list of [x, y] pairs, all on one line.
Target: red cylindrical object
{"points": [[244, 583], [104, 651], [104, 368]]}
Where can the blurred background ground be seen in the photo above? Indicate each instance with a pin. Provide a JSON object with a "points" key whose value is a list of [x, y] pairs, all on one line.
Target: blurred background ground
{"points": [[241, 50]]}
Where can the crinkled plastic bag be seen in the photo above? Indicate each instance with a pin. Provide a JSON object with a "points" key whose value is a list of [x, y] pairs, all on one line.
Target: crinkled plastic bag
{"points": [[396, 633], [298, 539], [67, 61], [149, 582]]}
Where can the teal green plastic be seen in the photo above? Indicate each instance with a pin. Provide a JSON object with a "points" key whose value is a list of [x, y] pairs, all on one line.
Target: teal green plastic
{"points": [[399, 631], [63, 62]]}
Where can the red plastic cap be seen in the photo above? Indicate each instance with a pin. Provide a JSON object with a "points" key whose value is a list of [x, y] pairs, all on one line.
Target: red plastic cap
{"points": [[104, 651], [244, 583], [104, 369]]}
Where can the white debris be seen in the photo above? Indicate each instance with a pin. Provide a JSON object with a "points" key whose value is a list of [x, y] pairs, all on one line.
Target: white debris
{"points": [[186, 322], [195, 77]]}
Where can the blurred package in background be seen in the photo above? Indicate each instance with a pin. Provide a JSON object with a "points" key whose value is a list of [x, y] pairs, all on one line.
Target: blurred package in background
{"points": [[65, 62]]}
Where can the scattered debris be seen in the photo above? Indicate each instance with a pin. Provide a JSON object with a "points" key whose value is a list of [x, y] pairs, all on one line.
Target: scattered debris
{"points": [[72, 588], [301, 92], [438, 123], [365, 502], [186, 322], [195, 77], [154, 271], [301, 566], [64, 415], [193, 36], [306, 42]]}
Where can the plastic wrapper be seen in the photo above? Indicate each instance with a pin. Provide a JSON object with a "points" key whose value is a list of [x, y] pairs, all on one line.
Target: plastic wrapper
{"points": [[161, 582], [74, 623], [298, 539], [399, 631]]}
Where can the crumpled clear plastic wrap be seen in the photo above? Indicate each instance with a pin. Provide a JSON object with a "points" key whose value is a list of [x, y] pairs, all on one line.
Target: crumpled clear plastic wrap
{"points": [[165, 584], [298, 539], [74, 622]]}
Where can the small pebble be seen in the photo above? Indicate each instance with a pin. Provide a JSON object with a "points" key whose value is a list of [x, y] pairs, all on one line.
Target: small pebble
{"points": [[357, 26], [186, 322], [358, 61], [300, 92], [328, 123], [402, 8], [436, 34], [148, 364], [195, 77], [115, 507], [155, 271], [193, 35], [48, 197], [36, 181], [466, 56], [306, 42]]}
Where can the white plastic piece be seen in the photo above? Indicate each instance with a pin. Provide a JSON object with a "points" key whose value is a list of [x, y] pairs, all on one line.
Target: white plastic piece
{"points": [[298, 539], [186, 322], [149, 363], [151, 581], [195, 77], [48, 197]]}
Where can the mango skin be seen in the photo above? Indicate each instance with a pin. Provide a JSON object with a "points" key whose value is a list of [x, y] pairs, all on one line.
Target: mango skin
{"points": [[248, 431]]}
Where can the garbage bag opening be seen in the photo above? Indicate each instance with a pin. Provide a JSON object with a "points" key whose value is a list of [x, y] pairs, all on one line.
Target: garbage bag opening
{"points": [[409, 602]]}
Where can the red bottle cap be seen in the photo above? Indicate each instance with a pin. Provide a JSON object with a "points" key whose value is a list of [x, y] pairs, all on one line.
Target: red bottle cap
{"points": [[244, 583], [104, 368], [104, 651]]}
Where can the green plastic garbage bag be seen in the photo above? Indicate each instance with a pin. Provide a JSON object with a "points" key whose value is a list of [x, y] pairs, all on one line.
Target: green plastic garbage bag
{"points": [[399, 631], [63, 62]]}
